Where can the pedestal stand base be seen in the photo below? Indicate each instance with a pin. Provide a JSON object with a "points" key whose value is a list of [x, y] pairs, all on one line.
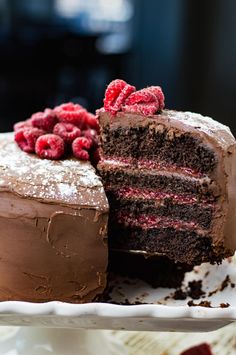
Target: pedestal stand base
{"points": [[45, 341]]}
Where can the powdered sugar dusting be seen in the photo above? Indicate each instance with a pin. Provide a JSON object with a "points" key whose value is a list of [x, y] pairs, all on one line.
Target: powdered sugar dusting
{"points": [[67, 190], [210, 127], [68, 181]]}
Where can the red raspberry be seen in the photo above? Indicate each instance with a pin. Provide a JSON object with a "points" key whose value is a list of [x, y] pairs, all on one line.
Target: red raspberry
{"points": [[50, 146], [142, 101], [116, 94], [67, 131], [26, 138], [202, 349], [80, 148], [71, 113], [157, 91], [91, 134], [92, 121], [23, 125], [44, 120]]}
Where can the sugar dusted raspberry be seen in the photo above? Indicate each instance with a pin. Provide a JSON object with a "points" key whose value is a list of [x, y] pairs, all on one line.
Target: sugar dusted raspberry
{"points": [[91, 134], [116, 94], [92, 121], [142, 102], [80, 148], [157, 91], [67, 131], [26, 138], [44, 120], [71, 113], [202, 349], [50, 146], [23, 125]]}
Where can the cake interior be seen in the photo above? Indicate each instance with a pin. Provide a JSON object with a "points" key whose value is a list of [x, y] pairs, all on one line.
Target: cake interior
{"points": [[163, 199]]}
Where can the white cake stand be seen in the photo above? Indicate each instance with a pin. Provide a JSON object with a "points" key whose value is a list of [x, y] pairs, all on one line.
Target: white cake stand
{"points": [[45, 341], [63, 328]]}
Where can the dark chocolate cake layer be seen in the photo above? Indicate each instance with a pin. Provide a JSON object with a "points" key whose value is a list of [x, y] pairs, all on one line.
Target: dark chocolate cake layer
{"points": [[150, 143], [160, 180], [187, 162], [158, 271], [199, 212], [181, 245], [53, 223]]}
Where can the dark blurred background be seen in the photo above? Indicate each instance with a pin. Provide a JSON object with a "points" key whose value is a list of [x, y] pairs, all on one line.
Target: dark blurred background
{"points": [[53, 51]]}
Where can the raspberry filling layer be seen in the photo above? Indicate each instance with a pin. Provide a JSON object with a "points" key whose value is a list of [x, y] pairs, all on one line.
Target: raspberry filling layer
{"points": [[150, 164], [133, 193], [151, 221]]}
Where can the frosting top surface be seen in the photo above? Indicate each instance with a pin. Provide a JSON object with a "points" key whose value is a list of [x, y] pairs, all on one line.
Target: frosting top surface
{"points": [[187, 121], [209, 126], [68, 181]]}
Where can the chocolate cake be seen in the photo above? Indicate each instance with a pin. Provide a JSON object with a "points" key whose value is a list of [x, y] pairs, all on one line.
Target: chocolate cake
{"points": [[53, 220], [170, 180]]}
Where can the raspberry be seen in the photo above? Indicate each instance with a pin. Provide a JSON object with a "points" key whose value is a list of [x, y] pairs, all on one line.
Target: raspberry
{"points": [[142, 101], [26, 138], [157, 91], [44, 120], [116, 94], [91, 134], [50, 146], [80, 148], [23, 125], [92, 121], [67, 131], [202, 349], [71, 113]]}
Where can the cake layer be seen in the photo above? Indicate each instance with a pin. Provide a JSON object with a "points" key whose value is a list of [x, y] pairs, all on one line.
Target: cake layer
{"points": [[153, 221], [183, 208], [162, 145], [182, 138], [181, 245], [53, 228], [118, 177], [149, 164], [158, 271]]}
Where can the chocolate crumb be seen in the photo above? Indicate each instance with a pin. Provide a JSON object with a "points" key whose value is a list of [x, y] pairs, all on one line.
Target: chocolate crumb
{"points": [[201, 304], [207, 304], [179, 295], [224, 305], [212, 292], [225, 283], [195, 289], [168, 297]]}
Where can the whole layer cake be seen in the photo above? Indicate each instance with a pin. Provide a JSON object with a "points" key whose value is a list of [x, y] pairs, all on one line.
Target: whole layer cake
{"points": [[53, 221], [170, 180]]}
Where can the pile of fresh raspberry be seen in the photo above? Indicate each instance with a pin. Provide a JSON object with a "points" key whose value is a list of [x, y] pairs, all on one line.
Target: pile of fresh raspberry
{"points": [[120, 96], [57, 133]]}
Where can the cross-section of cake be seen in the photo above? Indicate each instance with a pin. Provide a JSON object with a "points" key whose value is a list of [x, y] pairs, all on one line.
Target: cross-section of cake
{"points": [[169, 176]]}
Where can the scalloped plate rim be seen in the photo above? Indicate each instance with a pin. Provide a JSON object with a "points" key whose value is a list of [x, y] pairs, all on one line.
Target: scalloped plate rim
{"points": [[106, 310]]}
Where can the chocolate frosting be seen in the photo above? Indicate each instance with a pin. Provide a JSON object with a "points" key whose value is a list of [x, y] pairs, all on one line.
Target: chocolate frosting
{"points": [[53, 222], [210, 132]]}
